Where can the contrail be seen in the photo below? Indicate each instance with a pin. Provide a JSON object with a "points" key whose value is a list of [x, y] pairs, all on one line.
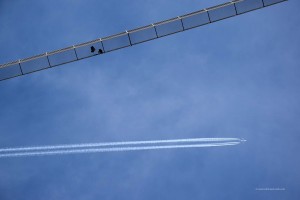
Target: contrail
{"points": [[65, 146], [118, 147]]}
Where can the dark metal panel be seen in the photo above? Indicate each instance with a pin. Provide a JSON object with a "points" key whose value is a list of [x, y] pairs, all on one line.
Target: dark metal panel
{"points": [[10, 71], [116, 42], [195, 20], [222, 13], [36, 64], [169, 27], [143, 35], [84, 51], [271, 2], [246, 6], [62, 57]]}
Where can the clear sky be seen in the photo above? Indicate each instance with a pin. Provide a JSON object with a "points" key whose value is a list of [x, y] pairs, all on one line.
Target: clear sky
{"points": [[234, 78]]}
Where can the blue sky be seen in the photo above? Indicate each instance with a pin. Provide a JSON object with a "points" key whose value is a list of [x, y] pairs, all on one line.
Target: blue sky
{"points": [[234, 78]]}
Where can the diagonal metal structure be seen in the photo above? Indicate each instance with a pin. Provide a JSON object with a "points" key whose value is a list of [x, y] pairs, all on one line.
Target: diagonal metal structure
{"points": [[132, 37]]}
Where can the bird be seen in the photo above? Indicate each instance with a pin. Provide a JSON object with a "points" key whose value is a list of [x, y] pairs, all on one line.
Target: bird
{"points": [[100, 51], [93, 49]]}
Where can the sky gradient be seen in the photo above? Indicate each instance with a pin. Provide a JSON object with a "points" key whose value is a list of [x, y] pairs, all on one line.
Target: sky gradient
{"points": [[234, 78]]}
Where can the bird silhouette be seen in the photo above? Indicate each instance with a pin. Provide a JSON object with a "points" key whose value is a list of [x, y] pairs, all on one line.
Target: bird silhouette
{"points": [[93, 49], [100, 51]]}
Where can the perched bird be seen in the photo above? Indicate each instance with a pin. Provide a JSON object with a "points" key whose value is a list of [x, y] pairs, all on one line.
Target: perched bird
{"points": [[100, 51], [93, 49]]}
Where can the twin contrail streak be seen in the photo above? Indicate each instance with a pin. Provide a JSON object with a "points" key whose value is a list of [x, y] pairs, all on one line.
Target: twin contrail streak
{"points": [[117, 147]]}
